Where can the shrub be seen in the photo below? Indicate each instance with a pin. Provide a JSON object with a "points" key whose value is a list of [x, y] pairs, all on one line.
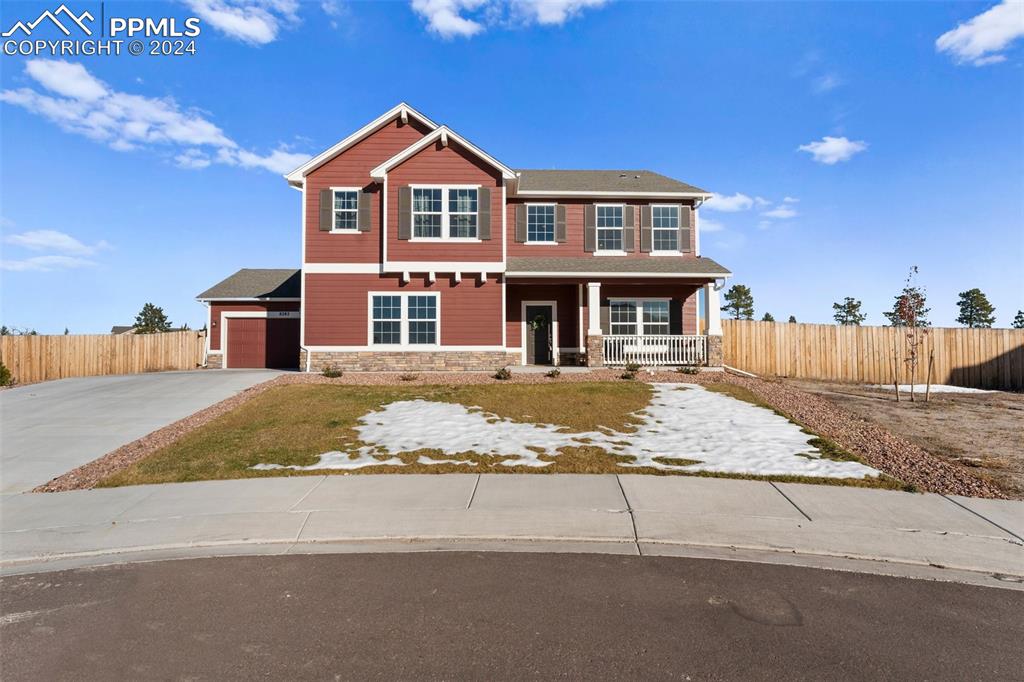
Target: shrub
{"points": [[632, 368], [688, 370], [409, 377], [503, 374], [332, 372], [5, 375], [627, 375], [554, 374]]}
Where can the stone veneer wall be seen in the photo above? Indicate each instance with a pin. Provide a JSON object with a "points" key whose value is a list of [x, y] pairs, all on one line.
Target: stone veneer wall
{"points": [[715, 357], [446, 361], [214, 361], [595, 350]]}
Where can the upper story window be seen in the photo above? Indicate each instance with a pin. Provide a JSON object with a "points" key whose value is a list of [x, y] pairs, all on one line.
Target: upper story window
{"points": [[445, 212], [404, 319], [609, 228], [540, 224], [665, 228], [346, 210]]}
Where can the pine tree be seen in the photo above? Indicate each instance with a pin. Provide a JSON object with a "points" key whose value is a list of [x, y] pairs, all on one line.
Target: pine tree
{"points": [[767, 318], [848, 312], [908, 309], [1018, 322], [739, 302], [151, 320], [792, 319], [975, 310], [66, 331]]}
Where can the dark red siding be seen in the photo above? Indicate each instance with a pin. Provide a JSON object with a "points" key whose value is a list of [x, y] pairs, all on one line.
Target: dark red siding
{"points": [[337, 307], [217, 308], [565, 295]]}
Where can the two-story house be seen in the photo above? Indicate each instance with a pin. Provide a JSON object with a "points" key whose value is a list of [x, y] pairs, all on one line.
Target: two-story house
{"points": [[422, 251]]}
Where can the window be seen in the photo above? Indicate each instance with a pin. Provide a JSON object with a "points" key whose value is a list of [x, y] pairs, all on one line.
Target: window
{"points": [[623, 317], [404, 319], [426, 213], [445, 212], [609, 228], [639, 317], [540, 223], [346, 209], [665, 228], [655, 316]]}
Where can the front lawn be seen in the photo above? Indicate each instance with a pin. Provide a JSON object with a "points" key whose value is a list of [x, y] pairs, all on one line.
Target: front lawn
{"points": [[293, 425]]}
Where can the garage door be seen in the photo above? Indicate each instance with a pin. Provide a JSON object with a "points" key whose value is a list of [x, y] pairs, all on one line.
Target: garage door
{"points": [[261, 342]]}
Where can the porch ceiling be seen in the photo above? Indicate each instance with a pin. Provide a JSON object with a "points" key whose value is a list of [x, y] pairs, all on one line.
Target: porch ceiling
{"points": [[699, 267]]}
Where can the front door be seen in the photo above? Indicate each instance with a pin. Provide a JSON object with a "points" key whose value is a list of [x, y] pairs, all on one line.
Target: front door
{"points": [[539, 341]]}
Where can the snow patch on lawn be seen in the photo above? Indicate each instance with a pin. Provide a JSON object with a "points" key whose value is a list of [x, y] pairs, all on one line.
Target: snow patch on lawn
{"points": [[936, 388], [721, 433]]}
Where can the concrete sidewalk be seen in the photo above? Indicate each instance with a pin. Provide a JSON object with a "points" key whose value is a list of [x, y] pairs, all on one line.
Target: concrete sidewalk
{"points": [[831, 526]]}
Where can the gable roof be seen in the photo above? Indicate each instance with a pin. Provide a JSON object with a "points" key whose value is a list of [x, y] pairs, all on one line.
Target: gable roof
{"points": [[603, 182], [255, 283], [443, 133], [401, 110]]}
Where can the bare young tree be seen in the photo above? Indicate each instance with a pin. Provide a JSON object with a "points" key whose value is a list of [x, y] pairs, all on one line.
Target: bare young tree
{"points": [[910, 313]]}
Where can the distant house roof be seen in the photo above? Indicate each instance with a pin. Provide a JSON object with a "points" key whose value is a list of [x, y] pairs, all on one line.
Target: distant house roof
{"points": [[121, 329], [256, 283], [602, 182], [621, 267]]}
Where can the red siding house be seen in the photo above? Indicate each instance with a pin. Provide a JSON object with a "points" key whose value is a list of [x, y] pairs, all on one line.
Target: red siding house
{"points": [[421, 251]]}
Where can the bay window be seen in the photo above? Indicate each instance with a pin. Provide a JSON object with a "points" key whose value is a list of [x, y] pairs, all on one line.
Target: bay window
{"points": [[404, 319]]}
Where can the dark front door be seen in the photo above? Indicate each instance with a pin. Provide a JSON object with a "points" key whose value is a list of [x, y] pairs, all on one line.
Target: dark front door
{"points": [[539, 340]]}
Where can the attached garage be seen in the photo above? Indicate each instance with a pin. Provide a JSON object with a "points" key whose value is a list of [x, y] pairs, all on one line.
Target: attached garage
{"points": [[254, 320]]}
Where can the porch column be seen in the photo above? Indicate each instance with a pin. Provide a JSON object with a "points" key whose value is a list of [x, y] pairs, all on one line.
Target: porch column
{"points": [[713, 325], [595, 344]]}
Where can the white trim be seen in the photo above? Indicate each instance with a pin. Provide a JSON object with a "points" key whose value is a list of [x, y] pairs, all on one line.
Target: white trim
{"points": [[297, 175], [554, 225], [686, 275], [334, 211], [444, 133], [492, 267], [302, 283], [593, 308], [262, 299], [554, 329], [209, 332], [271, 314], [504, 259], [588, 193], [384, 225], [403, 320], [417, 348], [696, 232], [341, 269], [610, 253], [579, 325], [678, 251], [658, 254]]}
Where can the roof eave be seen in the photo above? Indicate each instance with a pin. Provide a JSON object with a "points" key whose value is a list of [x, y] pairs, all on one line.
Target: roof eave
{"points": [[581, 273], [381, 171], [598, 194]]}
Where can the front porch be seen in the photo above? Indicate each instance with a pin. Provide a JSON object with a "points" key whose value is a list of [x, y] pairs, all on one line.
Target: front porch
{"points": [[652, 322]]}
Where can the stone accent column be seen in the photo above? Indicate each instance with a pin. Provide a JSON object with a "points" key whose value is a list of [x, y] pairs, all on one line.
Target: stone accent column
{"points": [[214, 361], [595, 350], [595, 341], [713, 326]]}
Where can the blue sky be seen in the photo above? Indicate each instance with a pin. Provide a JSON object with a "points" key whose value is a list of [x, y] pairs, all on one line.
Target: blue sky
{"points": [[847, 141]]}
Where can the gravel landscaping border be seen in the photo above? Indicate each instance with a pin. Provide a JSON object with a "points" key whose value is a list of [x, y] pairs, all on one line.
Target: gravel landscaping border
{"points": [[876, 446]]}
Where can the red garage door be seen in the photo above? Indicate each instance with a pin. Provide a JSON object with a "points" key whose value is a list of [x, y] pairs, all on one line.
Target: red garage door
{"points": [[261, 342]]}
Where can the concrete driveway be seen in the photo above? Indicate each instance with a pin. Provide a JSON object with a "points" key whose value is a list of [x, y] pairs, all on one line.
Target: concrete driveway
{"points": [[50, 428]]}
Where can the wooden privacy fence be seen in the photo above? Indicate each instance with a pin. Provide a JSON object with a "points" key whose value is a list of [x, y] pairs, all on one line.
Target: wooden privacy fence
{"points": [[42, 358], [977, 358]]}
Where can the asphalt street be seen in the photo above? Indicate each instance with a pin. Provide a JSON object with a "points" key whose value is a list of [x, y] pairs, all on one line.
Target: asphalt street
{"points": [[500, 616]]}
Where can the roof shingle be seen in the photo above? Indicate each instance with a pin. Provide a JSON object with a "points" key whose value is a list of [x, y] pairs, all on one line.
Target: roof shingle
{"points": [[597, 181], [256, 283]]}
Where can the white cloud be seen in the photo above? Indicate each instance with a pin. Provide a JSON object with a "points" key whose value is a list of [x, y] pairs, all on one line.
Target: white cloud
{"points": [[790, 200], [256, 22], [127, 122], [52, 240], [467, 18], [336, 11], [829, 81], [709, 225], [831, 150], [761, 201], [764, 224], [782, 212], [728, 204], [980, 40], [45, 263]]}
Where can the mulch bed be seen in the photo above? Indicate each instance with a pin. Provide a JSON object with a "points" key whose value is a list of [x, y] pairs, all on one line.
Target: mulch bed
{"points": [[876, 446]]}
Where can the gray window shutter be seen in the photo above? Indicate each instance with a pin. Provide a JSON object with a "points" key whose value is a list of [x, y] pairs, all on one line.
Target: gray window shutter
{"points": [[326, 210], [606, 324], [365, 202], [589, 229], [521, 223], [645, 229], [483, 213], [560, 224], [628, 230], [404, 212], [685, 219]]}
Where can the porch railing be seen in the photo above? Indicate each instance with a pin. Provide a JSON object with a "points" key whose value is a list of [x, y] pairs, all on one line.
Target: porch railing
{"points": [[661, 349]]}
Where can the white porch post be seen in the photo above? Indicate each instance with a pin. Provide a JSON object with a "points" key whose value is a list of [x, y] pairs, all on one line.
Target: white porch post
{"points": [[712, 311], [593, 308]]}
